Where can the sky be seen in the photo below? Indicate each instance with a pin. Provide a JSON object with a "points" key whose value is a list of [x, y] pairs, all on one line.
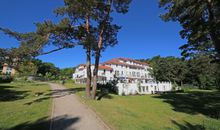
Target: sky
{"points": [[143, 34]]}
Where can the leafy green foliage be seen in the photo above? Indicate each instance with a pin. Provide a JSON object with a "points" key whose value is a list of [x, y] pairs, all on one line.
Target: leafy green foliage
{"points": [[109, 87], [200, 20], [87, 20], [197, 71], [168, 69], [106, 89], [67, 73], [202, 72], [27, 69], [46, 67], [11, 56]]}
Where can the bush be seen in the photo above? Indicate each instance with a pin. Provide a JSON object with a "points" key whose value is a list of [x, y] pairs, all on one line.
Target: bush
{"points": [[106, 89], [6, 79], [109, 87]]}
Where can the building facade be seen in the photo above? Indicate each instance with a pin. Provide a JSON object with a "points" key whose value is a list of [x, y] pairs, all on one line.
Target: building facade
{"points": [[133, 76], [8, 70]]}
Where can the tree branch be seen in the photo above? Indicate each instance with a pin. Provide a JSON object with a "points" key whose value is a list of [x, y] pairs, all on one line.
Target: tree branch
{"points": [[45, 53], [60, 48]]}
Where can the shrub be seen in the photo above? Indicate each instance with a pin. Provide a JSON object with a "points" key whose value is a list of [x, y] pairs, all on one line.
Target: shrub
{"points": [[105, 89], [109, 87], [6, 78]]}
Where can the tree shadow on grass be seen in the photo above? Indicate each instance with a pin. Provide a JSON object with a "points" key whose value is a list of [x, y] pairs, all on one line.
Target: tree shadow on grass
{"points": [[8, 94], [207, 103], [105, 95], [55, 94], [67, 90], [37, 100], [58, 123], [188, 126]]}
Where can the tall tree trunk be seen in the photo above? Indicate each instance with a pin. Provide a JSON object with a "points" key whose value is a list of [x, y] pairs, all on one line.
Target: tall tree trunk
{"points": [[89, 75], [97, 58], [95, 74], [88, 61], [98, 52]]}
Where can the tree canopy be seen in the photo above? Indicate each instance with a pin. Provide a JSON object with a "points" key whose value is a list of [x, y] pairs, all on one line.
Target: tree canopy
{"points": [[200, 20], [84, 22], [67, 73], [197, 71]]}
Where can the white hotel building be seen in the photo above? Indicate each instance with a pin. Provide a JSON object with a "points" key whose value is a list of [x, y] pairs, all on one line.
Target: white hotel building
{"points": [[133, 76]]}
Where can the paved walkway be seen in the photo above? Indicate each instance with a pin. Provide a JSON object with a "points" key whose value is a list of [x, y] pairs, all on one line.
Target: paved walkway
{"points": [[68, 113]]}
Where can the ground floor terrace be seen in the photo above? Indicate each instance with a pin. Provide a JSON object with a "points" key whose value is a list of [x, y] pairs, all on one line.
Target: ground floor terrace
{"points": [[143, 88], [132, 86], [101, 79]]}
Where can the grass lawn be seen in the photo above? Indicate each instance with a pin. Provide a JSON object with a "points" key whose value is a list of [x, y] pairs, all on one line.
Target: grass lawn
{"points": [[193, 110], [24, 106]]}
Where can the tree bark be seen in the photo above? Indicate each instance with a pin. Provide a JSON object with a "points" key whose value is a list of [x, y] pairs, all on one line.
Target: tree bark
{"points": [[95, 74], [95, 71], [88, 62], [98, 53], [88, 69]]}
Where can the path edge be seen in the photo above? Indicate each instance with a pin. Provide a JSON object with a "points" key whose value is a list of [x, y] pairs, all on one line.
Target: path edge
{"points": [[97, 115]]}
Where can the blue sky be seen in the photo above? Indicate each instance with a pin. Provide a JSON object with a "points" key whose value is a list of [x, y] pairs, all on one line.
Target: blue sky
{"points": [[143, 33]]}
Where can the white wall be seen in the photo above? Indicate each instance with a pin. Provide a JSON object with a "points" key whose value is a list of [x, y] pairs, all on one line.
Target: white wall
{"points": [[143, 88], [128, 88]]}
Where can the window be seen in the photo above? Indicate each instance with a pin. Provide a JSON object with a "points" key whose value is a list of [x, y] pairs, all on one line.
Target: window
{"points": [[147, 88], [138, 74], [133, 74], [139, 89], [143, 89], [117, 73]]}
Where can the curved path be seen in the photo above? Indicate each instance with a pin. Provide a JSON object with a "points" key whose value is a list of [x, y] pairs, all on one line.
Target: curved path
{"points": [[68, 113]]}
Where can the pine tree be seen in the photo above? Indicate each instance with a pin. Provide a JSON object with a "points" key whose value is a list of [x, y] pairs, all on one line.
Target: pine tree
{"points": [[85, 22], [200, 20]]}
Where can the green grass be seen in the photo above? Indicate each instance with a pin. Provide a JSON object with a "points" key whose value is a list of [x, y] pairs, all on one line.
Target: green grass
{"points": [[24, 106], [193, 110]]}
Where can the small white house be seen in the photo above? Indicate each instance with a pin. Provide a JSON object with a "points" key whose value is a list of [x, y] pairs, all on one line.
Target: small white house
{"points": [[134, 76]]}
